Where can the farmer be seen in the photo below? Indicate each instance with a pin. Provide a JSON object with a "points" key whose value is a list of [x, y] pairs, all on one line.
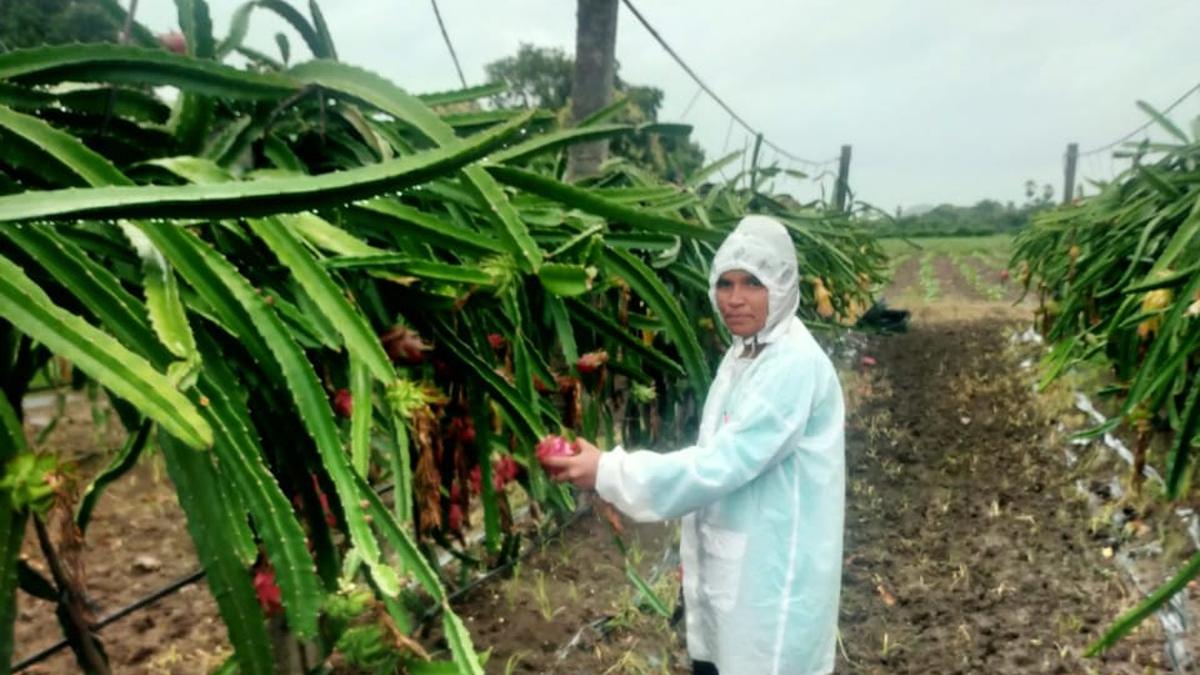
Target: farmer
{"points": [[761, 493]]}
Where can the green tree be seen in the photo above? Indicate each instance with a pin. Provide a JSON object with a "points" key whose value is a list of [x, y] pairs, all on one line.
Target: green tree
{"points": [[537, 77], [984, 217], [1036, 200], [30, 23], [540, 77]]}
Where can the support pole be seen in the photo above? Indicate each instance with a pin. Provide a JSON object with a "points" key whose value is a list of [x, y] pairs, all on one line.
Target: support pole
{"points": [[592, 87], [1069, 182], [842, 189]]}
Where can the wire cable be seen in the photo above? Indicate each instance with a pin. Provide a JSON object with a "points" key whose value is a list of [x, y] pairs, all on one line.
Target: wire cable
{"points": [[696, 78], [449, 45], [688, 109], [728, 136], [1143, 127]]}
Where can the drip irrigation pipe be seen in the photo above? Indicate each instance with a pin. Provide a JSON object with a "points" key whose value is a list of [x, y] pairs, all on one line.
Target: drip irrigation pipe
{"points": [[169, 589], [197, 575], [433, 610], [669, 559], [1173, 616]]}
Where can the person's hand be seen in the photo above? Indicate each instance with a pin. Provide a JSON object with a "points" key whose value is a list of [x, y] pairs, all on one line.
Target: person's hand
{"points": [[578, 469]]}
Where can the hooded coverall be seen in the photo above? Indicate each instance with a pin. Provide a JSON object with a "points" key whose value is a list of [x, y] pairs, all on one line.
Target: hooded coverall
{"points": [[761, 493]]}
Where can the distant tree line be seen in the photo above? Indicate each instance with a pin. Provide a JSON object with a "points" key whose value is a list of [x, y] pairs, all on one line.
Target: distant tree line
{"points": [[985, 217], [30, 23]]}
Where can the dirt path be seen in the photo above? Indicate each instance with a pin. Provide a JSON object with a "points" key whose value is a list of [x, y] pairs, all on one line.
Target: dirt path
{"points": [[990, 275], [953, 284], [905, 276], [967, 549]]}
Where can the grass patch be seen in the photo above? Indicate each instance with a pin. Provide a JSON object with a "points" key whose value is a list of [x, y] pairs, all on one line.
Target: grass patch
{"points": [[991, 260], [997, 245]]}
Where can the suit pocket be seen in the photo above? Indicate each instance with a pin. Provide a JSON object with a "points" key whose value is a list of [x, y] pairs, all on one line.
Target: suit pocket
{"points": [[722, 557]]}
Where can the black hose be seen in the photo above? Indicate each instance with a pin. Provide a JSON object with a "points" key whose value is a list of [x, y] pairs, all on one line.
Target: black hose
{"points": [[195, 576], [150, 599], [434, 609]]}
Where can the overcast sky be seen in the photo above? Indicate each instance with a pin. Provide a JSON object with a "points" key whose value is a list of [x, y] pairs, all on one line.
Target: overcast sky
{"points": [[942, 100]]}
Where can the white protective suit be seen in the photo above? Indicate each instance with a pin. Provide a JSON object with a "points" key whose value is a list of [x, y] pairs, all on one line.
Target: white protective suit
{"points": [[762, 491]]}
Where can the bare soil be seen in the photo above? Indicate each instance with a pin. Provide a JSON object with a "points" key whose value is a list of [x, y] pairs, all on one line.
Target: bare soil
{"points": [[953, 284], [967, 550], [904, 279], [990, 274], [569, 608], [137, 543]]}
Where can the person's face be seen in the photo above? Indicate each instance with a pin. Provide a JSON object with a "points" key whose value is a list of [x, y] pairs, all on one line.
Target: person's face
{"points": [[742, 301]]}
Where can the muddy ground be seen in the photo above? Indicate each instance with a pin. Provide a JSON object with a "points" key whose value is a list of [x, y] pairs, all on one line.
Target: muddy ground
{"points": [[967, 548]]}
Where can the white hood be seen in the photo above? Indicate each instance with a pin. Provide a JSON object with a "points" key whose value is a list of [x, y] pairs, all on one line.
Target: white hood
{"points": [[761, 246]]}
